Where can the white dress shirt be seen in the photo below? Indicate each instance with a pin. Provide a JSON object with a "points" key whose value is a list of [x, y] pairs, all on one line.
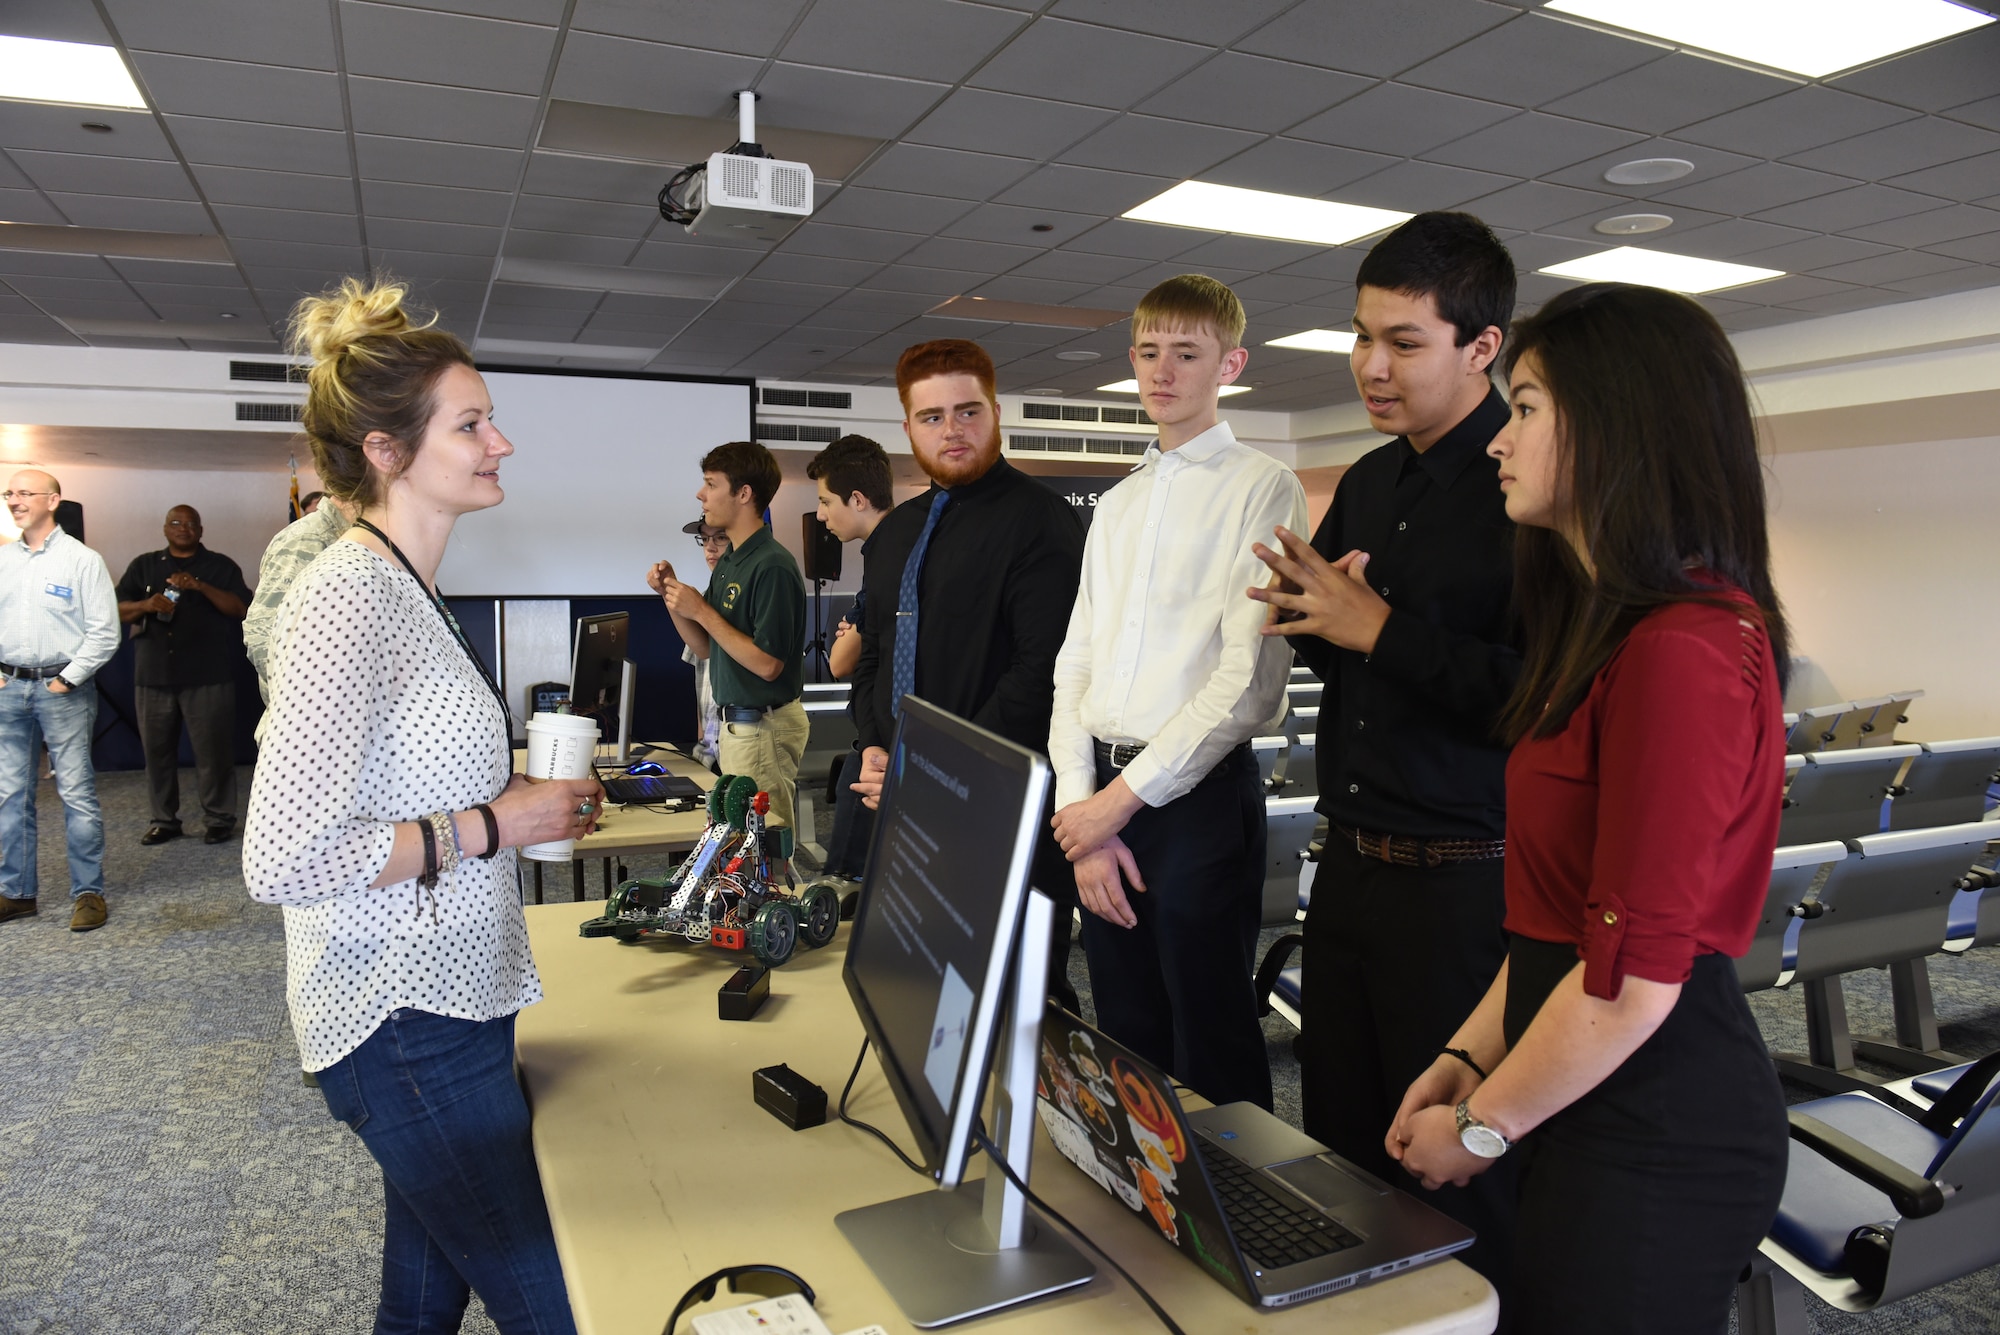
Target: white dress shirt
{"points": [[1163, 645], [56, 606]]}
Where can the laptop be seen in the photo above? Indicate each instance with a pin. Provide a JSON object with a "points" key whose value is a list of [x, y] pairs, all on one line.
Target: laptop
{"points": [[1266, 1211], [649, 789]]}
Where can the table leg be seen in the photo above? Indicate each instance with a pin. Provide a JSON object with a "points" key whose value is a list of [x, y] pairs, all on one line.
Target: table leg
{"points": [[538, 882], [610, 876], [576, 880]]}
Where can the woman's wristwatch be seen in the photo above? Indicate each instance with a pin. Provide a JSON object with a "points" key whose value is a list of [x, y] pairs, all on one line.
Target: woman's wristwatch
{"points": [[1477, 1137]]}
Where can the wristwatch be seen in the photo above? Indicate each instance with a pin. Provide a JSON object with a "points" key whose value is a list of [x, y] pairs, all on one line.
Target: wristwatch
{"points": [[1477, 1137]]}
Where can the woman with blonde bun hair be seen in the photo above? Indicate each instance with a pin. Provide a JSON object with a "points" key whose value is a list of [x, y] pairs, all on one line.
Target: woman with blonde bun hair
{"points": [[384, 818]]}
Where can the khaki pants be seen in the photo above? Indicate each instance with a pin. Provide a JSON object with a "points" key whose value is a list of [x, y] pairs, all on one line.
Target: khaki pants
{"points": [[769, 751]]}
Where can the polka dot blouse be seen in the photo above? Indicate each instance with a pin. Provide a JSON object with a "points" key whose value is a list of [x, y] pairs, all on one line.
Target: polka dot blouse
{"points": [[376, 717]]}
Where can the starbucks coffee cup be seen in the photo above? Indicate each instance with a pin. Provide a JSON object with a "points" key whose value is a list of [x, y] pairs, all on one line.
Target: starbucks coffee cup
{"points": [[560, 746]]}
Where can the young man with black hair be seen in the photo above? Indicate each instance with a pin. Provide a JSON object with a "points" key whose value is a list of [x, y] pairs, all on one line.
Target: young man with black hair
{"points": [[1400, 605], [752, 626], [854, 496]]}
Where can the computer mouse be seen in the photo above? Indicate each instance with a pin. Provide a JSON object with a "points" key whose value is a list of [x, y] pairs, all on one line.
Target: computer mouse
{"points": [[647, 767]]}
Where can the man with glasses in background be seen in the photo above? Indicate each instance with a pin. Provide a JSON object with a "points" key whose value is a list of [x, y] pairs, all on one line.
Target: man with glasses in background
{"points": [[58, 626]]}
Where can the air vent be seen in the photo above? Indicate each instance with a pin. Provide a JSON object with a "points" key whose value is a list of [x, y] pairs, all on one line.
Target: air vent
{"points": [[1077, 412], [1104, 447], [1077, 444], [821, 435], [808, 398], [269, 412], [825, 435], [786, 398], [1042, 412], [1130, 415], [271, 372]]}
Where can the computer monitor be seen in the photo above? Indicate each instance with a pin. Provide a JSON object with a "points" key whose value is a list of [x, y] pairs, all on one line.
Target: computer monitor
{"points": [[600, 679], [947, 965]]}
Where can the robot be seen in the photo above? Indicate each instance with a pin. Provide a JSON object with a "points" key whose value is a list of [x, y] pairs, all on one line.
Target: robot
{"points": [[722, 894]]}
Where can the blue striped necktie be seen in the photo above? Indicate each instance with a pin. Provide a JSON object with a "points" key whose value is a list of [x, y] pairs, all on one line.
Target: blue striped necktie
{"points": [[903, 666]]}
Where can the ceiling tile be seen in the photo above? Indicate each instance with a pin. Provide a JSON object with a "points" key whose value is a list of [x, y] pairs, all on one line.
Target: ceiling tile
{"points": [[1980, 249], [144, 215], [1013, 287], [1086, 189], [1162, 147], [448, 238], [59, 129], [1136, 241], [752, 30], [1416, 186], [814, 269], [940, 40], [525, 244], [1296, 167], [1729, 239], [1795, 122], [652, 76], [924, 280], [234, 90], [538, 296], [1070, 266], [1897, 149], [1241, 254], [246, 144], [1984, 112], [332, 229], [1004, 222], [1533, 144], [1814, 254], [838, 102], [1670, 93], [23, 264], [1532, 205], [296, 255], [1684, 218], [849, 243], [1922, 229], [1963, 279], [1767, 185], [1967, 179], [1377, 37], [1080, 63], [269, 189], [673, 251], [967, 256], [1895, 266], [548, 12], [1837, 303], [585, 216], [1249, 92], [1189, 20], [29, 206], [1532, 61], [77, 173], [1400, 120], [1790, 289], [1945, 75], [1022, 127], [393, 42], [1337, 265], [425, 162], [1709, 163], [272, 32], [438, 203], [430, 267], [149, 274], [859, 206], [567, 175], [457, 115], [1843, 209], [943, 171]]}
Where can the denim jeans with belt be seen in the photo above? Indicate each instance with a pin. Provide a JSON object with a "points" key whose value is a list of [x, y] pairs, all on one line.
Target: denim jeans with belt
{"points": [[435, 1100], [31, 712]]}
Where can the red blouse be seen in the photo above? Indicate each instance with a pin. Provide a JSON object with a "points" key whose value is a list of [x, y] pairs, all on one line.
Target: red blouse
{"points": [[1643, 831]]}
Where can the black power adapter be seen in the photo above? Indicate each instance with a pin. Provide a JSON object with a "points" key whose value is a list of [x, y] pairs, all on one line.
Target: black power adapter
{"points": [[789, 1097]]}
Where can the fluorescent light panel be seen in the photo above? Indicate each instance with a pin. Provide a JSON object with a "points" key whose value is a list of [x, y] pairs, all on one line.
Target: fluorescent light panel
{"points": [[1316, 340], [1656, 268], [1810, 37], [1132, 387], [72, 73], [1228, 208]]}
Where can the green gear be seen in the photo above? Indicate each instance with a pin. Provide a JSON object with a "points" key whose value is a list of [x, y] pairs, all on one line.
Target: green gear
{"points": [[716, 796], [742, 790]]}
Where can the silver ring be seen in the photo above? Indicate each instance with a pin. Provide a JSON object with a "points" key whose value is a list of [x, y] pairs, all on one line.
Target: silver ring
{"points": [[584, 808]]}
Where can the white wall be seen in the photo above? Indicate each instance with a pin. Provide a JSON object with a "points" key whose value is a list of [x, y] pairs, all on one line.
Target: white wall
{"points": [[1884, 557]]}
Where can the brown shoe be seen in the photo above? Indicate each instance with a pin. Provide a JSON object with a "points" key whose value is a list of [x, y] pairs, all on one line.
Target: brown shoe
{"points": [[15, 908], [88, 914]]}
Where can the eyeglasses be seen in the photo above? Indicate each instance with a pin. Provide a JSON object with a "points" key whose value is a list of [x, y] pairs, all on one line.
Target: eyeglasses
{"points": [[769, 1280], [23, 495], [712, 539]]}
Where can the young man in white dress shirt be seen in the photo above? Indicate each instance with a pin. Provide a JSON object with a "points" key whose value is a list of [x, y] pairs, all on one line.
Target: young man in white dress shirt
{"points": [[1161, 683]]}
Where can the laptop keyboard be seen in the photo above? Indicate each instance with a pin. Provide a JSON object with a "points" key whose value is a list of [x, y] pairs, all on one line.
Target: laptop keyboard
{"points": [[638, 789], [1272, 1231]]}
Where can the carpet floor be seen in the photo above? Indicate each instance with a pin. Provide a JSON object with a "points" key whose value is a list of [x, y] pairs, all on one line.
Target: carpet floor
{"points": [[164, 1170]]}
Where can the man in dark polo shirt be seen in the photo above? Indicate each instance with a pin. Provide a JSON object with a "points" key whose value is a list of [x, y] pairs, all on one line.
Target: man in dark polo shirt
{"points": [[189, 604], [752, 626]]}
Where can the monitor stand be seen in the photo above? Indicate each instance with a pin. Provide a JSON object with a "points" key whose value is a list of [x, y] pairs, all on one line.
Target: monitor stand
{"points": [[950, 1254]]}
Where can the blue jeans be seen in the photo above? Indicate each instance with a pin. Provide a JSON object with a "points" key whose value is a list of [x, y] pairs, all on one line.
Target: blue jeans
{"points": [[436, 1102], [31, 712]]}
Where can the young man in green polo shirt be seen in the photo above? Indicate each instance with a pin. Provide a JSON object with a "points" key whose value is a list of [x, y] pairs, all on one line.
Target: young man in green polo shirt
{"points": [[751, 627]]}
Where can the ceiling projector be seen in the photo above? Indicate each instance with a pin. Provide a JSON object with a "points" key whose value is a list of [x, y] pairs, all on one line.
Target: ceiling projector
{"points": [[742, 191]]}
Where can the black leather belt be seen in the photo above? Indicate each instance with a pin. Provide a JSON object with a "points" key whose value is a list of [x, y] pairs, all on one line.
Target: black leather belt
{"points": [[33, 673], [1117, 754], [1407, 852], [745, 713]]}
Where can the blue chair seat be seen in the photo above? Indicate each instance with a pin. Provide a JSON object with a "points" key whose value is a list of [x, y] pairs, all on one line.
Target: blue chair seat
{"points": [[1934, 1085], [1289, 986], [1823, 1203]]}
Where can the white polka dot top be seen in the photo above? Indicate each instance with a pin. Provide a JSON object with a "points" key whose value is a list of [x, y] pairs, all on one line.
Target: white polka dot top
{"points": [[376, 717]]}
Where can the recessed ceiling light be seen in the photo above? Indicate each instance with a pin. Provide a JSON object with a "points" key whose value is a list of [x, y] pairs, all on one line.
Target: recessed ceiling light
{"points": [[1632, 224], [1228, 208], [1810, 37], [1044, 392], [1078, 355], [1132, 387], [1648, 171], [1656, 268], [96, 127], [1316, 340], [228, 315], [33, 70]]}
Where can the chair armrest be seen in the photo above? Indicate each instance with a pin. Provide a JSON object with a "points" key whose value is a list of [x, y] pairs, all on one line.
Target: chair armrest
{"points": [[1913, 1195]]}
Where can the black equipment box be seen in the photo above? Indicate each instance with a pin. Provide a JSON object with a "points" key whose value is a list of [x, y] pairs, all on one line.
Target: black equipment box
{"points": [[789, 1097]]}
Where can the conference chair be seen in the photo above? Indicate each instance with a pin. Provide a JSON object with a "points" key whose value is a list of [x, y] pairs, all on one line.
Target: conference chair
{"points": [[1289, 828], [1890, 710], [1796, 870], [1946, 784], [1270, 753], [1840, 794], [1883, 1199], [1817, 727], [1304, 692]]}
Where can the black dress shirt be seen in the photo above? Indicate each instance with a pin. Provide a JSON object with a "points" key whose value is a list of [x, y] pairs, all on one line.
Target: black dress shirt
{"points": [[1406, 738], [200, 646], [999, 578]]}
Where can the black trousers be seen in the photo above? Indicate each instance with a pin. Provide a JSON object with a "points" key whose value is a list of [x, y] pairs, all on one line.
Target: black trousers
{"points": [[1395, 960], [1177, 988], [210, 715], [1642, 1201]]}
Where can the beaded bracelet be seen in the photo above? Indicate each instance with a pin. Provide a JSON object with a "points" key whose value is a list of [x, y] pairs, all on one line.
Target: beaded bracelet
{"points": [[447, 841]]}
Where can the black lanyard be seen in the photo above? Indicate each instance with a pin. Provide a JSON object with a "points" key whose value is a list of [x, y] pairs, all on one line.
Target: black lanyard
{"points": [[450, 621]]}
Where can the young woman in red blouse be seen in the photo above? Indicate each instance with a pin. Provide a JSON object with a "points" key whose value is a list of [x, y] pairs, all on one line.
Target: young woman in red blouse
{"points": [[1615, 1053]]}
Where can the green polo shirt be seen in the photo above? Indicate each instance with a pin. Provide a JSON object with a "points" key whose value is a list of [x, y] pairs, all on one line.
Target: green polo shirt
{"points": [[757, 588]]}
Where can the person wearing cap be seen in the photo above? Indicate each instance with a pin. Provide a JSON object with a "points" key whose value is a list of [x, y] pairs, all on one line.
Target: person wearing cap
{"points": [[714, 542]]}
